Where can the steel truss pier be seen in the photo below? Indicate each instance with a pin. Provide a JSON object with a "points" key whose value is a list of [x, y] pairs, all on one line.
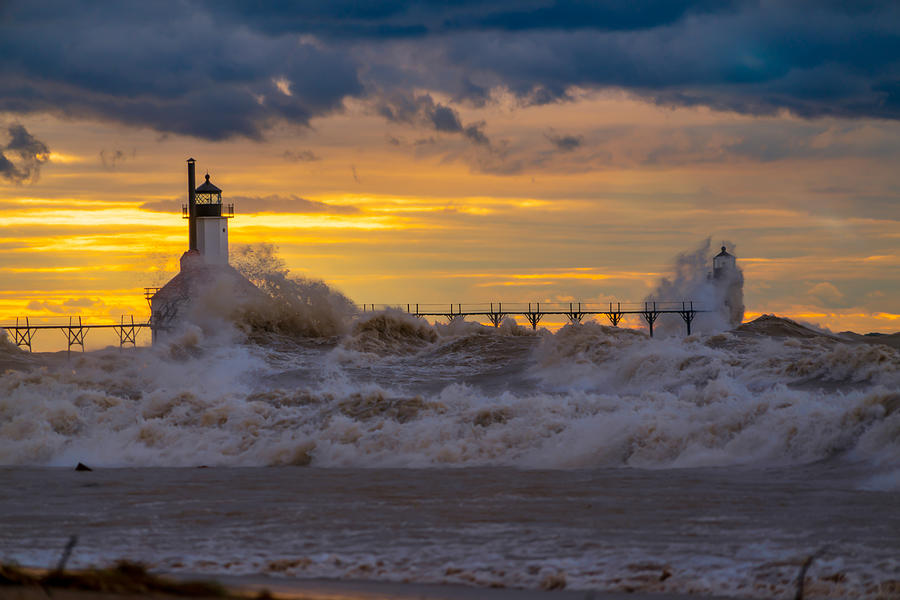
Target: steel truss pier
{"points": [[23, 331], [535, 311]]}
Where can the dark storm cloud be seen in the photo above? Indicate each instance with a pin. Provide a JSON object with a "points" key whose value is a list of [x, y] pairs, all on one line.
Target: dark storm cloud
{"points": [[220, 69], [421, 109], [814, 58], [21, 158], [264, 204], [817, 64], [169, 66], [406, 19]]}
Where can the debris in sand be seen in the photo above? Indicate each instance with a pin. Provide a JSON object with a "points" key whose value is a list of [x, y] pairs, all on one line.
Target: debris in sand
{"points": [[123, 578]]}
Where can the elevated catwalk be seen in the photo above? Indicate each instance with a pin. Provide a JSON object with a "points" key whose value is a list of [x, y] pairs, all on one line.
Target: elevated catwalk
{"points": [[75, 331], [126, 329], [535, 311]]}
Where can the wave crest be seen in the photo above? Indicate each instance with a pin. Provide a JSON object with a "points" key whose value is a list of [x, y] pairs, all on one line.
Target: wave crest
{"points": [[390, 332]]}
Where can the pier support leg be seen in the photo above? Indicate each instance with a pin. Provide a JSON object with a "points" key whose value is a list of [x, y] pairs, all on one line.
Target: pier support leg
{"points": [[496, 317], [534, 317], [614, 315], [453, 316], [574, 315], [74, 335], [650, 315], [22, 335], [687, 313], [126, 331]]}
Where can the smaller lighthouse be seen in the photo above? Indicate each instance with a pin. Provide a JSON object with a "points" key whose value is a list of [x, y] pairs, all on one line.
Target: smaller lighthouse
{"points": [[729, 283]]}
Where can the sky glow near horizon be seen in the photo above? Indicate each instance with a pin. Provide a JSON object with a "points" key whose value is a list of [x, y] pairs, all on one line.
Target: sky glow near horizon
{"points": [[419, 154]]}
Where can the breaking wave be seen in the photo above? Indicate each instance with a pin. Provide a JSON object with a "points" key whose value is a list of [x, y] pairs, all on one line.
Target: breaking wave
{"points": [[280, 306], [397, 392], [391, 332]]}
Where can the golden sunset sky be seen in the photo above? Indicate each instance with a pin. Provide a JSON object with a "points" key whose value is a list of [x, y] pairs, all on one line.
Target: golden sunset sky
{"points": [[394, 185]]}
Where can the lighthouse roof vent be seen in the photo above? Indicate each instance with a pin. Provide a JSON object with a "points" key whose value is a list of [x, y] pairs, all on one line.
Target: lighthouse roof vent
{"points": [[722, 253], [208, 188]]}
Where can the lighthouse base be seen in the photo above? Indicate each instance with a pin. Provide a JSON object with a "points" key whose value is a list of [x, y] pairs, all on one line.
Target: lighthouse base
{"points": [[201, 293]]}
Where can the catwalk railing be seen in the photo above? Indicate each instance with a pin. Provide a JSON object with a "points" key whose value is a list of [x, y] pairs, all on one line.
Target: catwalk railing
{"points": [[75, 331], [533, 312]]}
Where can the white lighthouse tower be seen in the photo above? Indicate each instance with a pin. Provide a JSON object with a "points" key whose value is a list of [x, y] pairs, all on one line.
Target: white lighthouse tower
{"points": [[211, 224]]}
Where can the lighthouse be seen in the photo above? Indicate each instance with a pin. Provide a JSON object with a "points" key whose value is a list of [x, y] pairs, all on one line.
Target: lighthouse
{"points": [[207, 289]]}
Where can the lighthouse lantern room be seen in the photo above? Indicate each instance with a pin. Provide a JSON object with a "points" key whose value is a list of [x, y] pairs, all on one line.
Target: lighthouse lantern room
{"points": [[207, 221]]}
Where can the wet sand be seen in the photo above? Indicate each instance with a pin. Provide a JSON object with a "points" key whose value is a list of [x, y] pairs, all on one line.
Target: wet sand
{"points": [[323, 589]]}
